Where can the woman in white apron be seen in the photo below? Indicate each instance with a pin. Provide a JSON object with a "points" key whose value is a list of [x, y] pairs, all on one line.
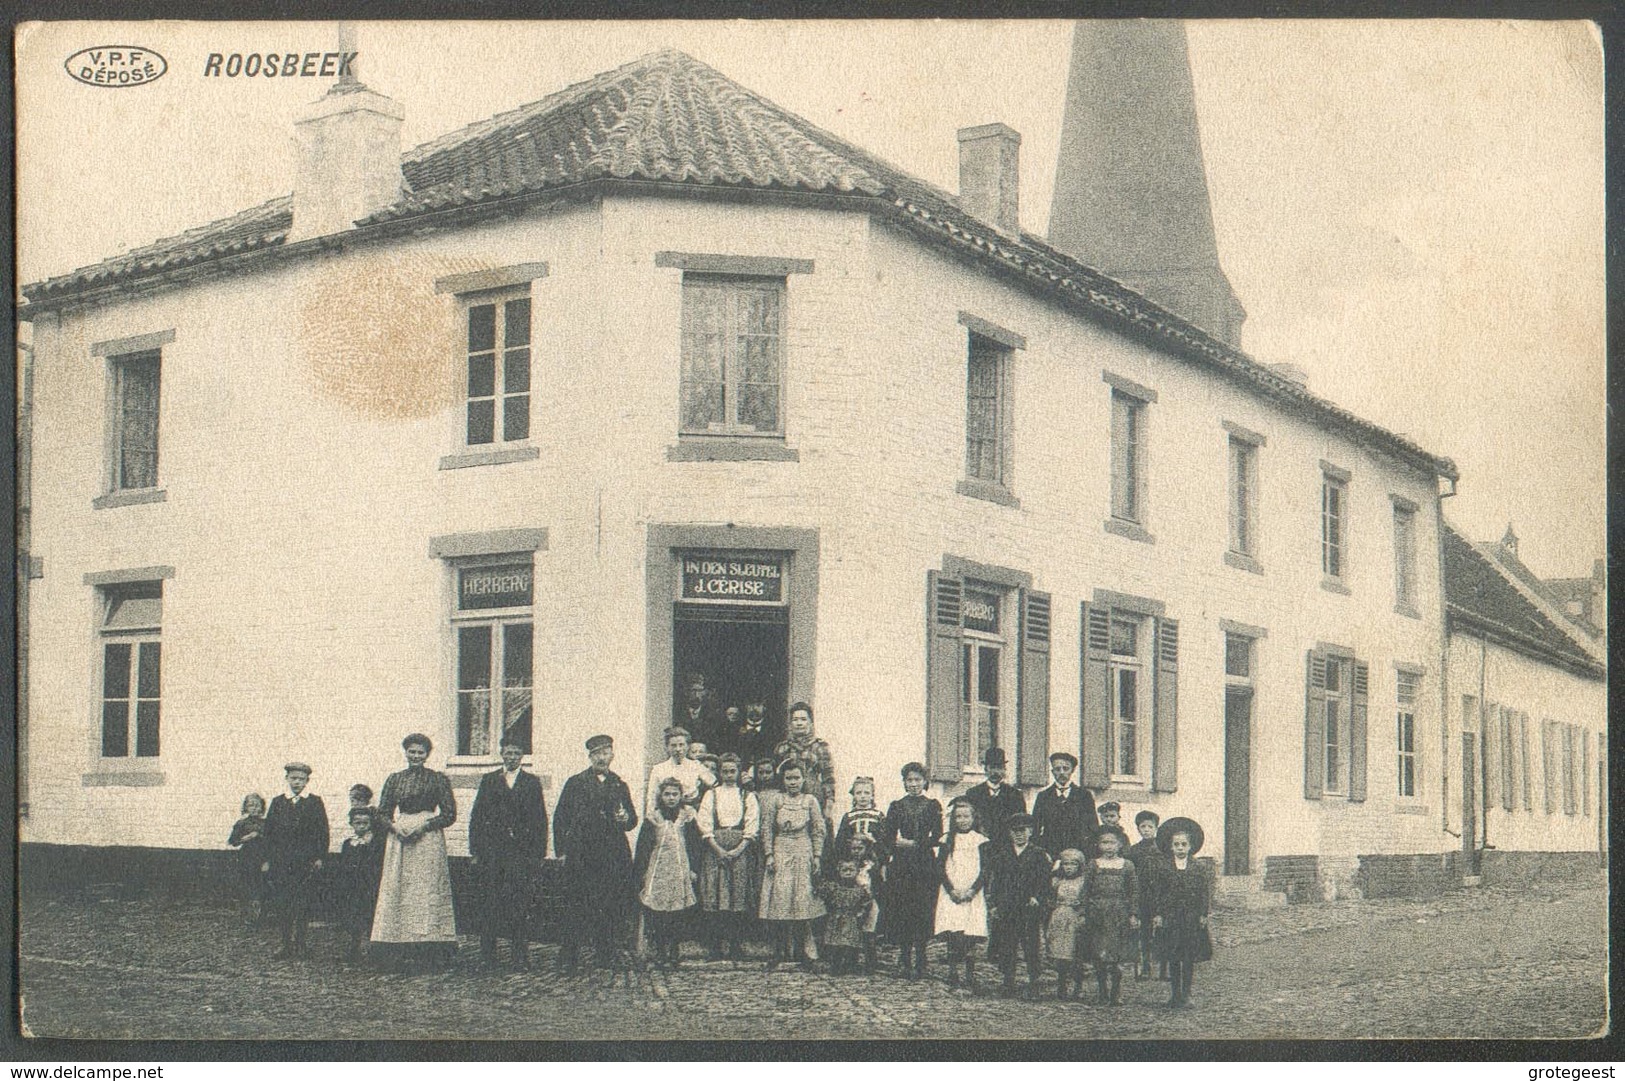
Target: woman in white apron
{"points": [[414, 919]]}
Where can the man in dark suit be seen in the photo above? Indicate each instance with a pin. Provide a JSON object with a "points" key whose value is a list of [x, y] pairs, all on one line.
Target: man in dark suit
{"points": [[697, 712], [507, 838], [1018, 883], [590, 823], [755, 738], [1064, 813], [994, 800], [296, 839]]}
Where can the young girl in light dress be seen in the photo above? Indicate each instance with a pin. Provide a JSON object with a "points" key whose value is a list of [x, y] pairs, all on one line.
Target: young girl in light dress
{"points": [[1063, 931], [667, 867], [961, 906]]}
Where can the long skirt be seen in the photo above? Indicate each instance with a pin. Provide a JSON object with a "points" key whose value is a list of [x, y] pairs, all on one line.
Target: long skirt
{"points": [[414, 896], [729, 885], [787, 892]]}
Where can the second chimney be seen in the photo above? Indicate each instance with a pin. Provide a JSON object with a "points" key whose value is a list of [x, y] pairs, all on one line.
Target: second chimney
{"points": [[349, 160], [989, 175]]}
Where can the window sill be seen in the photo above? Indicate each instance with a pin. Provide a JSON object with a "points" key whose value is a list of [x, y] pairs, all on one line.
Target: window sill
{"points": [[1243, 562], [129, 497], [469, 459], [1132, 530], [1410, 808], [1407, 611], [123, 778], [467, 772], [986, 489], [725, 449], [1335, 585]]}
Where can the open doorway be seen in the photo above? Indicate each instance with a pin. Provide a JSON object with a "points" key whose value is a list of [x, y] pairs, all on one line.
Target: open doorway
{"points": [[731, 666]]}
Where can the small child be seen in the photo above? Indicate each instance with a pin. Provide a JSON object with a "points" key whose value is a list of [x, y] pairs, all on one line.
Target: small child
{"points": [[248, 837], [1063, 932], [871, 876], [1148, 859], [711, 764], [1184, 895], [361, 796], [863, 820], [667, 867], [847, 901], [355, 880], [1111, 907], [1111, 814], [961, 908], [764, 776]]}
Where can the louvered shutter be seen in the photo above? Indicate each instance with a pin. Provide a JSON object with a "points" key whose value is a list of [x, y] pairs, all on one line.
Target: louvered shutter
{"points": [[1493, 750], [1097, 628], [1358, 705], [1314, 727], [1548, 761], [1585, 771], [1509, 757], [1527, 784], [944, 660], [1032, 719], [1165, 721]]}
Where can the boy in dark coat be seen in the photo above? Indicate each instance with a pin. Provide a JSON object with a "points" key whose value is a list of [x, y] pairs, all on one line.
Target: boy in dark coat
{"points": [[1064, 813], [1148, 859], [1018, 883], [995, 801], [296, 840], [594, 813], [507, 838], [355, 880]]}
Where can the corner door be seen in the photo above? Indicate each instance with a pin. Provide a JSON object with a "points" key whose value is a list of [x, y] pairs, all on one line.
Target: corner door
{"points": [[1469, 803], [1238, 780]]}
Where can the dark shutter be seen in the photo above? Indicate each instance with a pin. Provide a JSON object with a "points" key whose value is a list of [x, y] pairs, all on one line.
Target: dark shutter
{"points": [[1032, 722], [1548, 761], [942, 673], [1097, 628], [1494, 748], [1357, 730], [1314, 728], [1165, 720]]}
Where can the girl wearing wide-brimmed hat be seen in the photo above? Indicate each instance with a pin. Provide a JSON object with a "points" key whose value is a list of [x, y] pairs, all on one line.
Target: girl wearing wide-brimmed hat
{"points": [[1180, 911]]}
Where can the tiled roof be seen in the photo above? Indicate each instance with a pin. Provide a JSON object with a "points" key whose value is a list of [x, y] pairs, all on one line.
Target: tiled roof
{"points": [[667, 118], [1481, 591]]}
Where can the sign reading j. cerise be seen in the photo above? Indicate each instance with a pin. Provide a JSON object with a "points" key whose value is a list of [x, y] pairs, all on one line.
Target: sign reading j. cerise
{"points": [[733, 578]]}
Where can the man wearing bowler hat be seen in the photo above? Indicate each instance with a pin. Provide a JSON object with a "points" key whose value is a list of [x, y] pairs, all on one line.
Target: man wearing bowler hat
{"points": [[1064, 813], [994, 800], [296, 839], [590, 823]]}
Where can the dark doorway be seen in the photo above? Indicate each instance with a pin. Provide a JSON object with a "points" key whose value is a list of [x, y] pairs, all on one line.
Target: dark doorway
{"points": [[1469, 803], [1238, 780], [740, 655]]}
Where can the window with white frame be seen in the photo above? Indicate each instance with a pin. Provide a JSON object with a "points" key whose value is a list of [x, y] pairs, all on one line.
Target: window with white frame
{"points": [[732, 356], [1333, 526], [1243, 497], [135, 420], [1406, 684], [1128, 457], [494, 644], [132, 618], [1404, 557], [982, 673], [1128, 689], [498, 407]]}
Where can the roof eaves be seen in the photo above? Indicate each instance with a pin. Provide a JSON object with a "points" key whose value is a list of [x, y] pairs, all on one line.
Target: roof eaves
{"points": [[1515, 639], [1536, 598]]}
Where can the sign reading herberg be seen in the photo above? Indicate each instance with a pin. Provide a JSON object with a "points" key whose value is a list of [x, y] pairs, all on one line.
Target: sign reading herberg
{"points": [[507, 586], [733, 579]]}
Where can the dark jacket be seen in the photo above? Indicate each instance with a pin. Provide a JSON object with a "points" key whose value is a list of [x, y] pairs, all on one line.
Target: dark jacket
{"points": [[1062, 824], [508, 824], [993, 812], [296, 836], [1148, 860], [597, 857], [1016, 885]]}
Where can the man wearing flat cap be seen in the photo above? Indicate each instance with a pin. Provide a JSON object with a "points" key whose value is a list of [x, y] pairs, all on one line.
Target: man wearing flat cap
{"points": [[994, 800], [590, 823], [1064, 813], [296, 839]]}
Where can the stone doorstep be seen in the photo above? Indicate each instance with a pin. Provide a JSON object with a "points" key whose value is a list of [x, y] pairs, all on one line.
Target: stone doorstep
{"points": [[1245, 892]]}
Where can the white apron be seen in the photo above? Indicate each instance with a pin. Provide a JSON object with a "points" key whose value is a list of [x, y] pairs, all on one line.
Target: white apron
{"points": [[414, 895]]}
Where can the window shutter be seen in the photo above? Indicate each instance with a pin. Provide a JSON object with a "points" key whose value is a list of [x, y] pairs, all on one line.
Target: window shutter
{"points": [[1314, 728], [1548, 762], [1492, 754], [1032, 722], [943, 676], [1509, 757], [1585, 771], [1358, 703], [1568, 768], [1523, 762], [1165, 720], [1097, 627]]}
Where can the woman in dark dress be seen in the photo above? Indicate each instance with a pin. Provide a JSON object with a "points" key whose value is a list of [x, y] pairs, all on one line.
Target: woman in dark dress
{"points": [[1184, 896], [414, 918], [913, 828]]}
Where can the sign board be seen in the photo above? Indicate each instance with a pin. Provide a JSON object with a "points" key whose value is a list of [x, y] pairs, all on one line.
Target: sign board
{"points": [[505, 586], [732, 578], [981, 611]]}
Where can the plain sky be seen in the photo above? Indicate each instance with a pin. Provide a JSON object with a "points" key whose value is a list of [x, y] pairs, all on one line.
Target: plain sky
{"points": [[1410, 211]]}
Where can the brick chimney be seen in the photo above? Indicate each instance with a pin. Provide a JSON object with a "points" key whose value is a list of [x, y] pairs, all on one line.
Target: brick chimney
{"points": [[989, 175], [349, 157]]}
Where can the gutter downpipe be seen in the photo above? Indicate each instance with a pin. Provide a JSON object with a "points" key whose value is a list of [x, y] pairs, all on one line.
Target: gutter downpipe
{"points": [[1444, 662]]}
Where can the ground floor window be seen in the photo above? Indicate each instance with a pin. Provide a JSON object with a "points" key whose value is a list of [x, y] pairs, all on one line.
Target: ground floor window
{"points": [[131, 668], [981, 674], [495, 656]]}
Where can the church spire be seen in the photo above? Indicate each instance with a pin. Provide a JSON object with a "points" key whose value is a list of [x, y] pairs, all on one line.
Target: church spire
{"points": [[1131, 196]]}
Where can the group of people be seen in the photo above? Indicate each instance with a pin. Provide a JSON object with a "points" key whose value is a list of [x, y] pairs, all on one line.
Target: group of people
{"points": [[729, 850]]}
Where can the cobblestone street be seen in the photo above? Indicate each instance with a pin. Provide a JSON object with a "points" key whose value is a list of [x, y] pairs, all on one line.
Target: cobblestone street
{"points": [[1499, 963]]}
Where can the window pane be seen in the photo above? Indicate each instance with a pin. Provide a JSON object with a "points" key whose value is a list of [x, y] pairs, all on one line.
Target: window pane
{"points": [[146, 730], [516, 417], [1334, 676], [482, 378], [758, 358], [982, 413], [987, 676], [473, 657], [115, 729], [1238, 655], [516, 319], [474, 722], [1125, 457], [704, 320], [133, 611], [147, 671], [702, 406], [1333, 744], [517, 653], [481, 422], [758, 308], [516, 371], [116, 670], [482, 328], [1125, 638], [759, 407], [1241, 526]]}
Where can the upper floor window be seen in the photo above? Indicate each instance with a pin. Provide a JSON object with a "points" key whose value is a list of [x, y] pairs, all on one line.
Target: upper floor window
{"points": [[135, 422], [1334, 495], [1243, 497], [1404, 556], [1128, 457], [132, 617], [498, 371], [733, 356], [986, 408]]}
